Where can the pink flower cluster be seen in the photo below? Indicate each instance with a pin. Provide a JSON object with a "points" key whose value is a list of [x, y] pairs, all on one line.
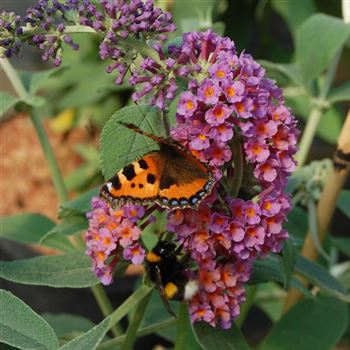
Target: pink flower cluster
{"points": [[229, 111], [230, 99], [111, 231]]}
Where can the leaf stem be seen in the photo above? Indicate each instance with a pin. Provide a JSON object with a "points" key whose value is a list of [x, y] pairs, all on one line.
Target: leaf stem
{"points": [[130, 336], [105, 307], [156, 327]]}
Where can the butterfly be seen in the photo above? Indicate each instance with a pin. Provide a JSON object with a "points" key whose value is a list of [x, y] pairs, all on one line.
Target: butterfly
{"points": [[170, 177]]}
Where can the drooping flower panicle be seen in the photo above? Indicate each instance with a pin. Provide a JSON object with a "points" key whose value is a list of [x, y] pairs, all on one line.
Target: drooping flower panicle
{"points": [[228, 101]]}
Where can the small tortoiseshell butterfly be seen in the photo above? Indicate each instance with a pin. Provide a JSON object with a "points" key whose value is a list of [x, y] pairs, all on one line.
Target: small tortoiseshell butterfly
{"points": [[170, 177]]}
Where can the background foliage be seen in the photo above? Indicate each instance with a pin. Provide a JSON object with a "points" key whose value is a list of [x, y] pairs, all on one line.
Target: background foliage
{"points": [[304, 45]]}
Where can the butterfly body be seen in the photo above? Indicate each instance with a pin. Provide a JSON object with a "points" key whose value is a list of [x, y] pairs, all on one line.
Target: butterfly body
{"points": [[170, 177]]}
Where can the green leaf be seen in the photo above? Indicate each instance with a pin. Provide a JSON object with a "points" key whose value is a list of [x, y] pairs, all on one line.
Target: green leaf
{"points": [[65, 324], [219, 28], [340, 93], [330, 125], [344, 202], [92, 86], [311, 324], [155, 313], [300, 105], [90, 339], [33, 229], [317, 41], [57, 241], [79, 205], [342, 244], [217, 338], [319, 276], [7, 101], [185, 338], [288, 261], [194, 16], [70, 225], [290, 70], [72, 270], [21, 327], [313, 228], [25, 228], [294, 12], [119, 145], [270, 269], [297, 223], [270, 298], [34, 81]]}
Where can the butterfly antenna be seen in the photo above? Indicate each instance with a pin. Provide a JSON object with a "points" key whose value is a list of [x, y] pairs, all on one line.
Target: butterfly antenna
{"points": [[139, 131], [144, 115]]}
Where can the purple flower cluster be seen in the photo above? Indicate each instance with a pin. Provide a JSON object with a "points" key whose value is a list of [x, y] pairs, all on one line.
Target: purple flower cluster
{"points": [[10, 31], [234, 119], [47, 20], [117, 20], [229, 99], [228, 111], [110, 233], [120, 19]]}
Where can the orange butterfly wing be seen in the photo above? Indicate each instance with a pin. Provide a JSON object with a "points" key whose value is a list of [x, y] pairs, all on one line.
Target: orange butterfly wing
{"points": [[171, 177], [136, 183], [185, 181]]}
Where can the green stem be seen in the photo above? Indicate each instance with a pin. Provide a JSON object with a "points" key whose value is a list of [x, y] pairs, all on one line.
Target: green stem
{"points": [[308, 135], [181, 332], [238, 167], [130, 336], [316, 113], [105, 306], [129, 303], [42, 136], [50, 156], [14, 79], [330, 75], [246, 306], [112, 344]]}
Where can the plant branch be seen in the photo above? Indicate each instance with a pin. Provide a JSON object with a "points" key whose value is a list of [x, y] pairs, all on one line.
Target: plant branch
{"points": [[156, 327], [105, 307], [130, 336], [327, 203]]}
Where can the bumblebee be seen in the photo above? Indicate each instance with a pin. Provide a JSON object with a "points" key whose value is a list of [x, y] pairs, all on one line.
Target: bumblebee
{"points": [[166, 267]]}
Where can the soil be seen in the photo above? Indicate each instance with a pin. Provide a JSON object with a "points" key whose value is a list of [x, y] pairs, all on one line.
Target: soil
{"points": [[26, 184]]}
